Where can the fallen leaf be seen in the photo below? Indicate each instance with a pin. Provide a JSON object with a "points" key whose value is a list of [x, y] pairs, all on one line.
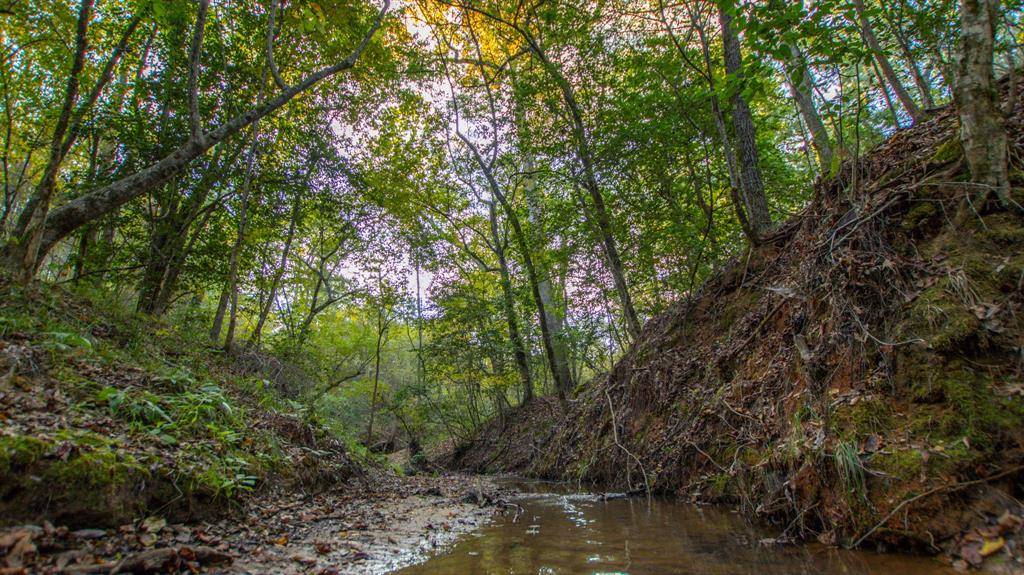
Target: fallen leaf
{"points": [[991, 546], [154, 524]]}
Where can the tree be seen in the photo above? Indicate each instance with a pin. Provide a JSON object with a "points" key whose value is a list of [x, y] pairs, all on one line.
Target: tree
{"points": [[878, 55], [584, 155], [43, 231], [981, 127], [755, 205]]}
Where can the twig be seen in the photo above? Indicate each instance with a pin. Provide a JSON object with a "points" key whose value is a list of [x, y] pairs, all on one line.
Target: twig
{"points": [[953, 487], [615, 436]]}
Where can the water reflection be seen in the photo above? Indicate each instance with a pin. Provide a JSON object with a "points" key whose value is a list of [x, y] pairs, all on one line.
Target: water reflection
{"points": [[582, 534]]}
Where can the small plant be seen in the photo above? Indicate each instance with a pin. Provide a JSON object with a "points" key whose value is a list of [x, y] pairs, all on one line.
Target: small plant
{"points": [[63, 341], [228, 477], [850, 469]]}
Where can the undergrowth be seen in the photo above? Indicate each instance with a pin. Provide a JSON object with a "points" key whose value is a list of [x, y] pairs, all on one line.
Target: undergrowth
{"points": [[106, 409]]}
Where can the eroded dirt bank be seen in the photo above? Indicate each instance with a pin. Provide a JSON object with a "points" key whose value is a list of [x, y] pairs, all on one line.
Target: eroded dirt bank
{"points": [[397, 522], [857, 379]]}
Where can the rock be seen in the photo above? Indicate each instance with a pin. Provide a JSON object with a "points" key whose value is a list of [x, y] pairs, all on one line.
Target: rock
{"points": [[478, 497], [89, 533]]}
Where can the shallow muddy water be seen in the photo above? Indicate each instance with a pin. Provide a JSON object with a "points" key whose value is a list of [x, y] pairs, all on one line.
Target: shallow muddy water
{"points": [[571, 533]]}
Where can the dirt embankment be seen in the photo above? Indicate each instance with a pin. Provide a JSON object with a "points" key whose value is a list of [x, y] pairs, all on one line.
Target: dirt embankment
{"points": [[858, 378]]}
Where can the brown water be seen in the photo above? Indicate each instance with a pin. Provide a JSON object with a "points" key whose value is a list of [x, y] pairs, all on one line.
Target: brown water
{"points": [[572, 533]]}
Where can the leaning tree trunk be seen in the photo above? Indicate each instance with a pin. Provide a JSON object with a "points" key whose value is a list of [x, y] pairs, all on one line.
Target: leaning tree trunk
{"points": [[868, 33], [265, 312], [508, 300], [801, 84], [982, 132], [90, 206], [751, 183]]}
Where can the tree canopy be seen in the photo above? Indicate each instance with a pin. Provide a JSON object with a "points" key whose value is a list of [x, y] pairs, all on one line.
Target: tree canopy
{"points": [[436, 209]]}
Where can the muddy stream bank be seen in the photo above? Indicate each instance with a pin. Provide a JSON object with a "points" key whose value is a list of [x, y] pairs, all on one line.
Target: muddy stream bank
{"points": [[453, 524]]}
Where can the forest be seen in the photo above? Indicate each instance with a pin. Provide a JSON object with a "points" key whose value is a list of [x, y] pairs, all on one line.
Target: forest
{"points": [[759, 254]]}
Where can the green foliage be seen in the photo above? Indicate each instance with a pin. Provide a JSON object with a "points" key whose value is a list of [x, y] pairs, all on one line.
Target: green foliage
{"points": [[361, 227], [850, 469]]}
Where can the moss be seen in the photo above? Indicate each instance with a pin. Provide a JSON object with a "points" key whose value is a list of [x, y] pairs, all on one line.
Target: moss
{"points": [[940, 318], [962, 403], [20, 451], [948, 151], [905, 464], [918, 215], [1009, 275], [868, 416], [86, 439], [1003, 230], [93, 472]]}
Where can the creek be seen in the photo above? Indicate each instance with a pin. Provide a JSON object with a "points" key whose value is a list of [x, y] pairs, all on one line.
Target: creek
{"points": [[559, 530]]}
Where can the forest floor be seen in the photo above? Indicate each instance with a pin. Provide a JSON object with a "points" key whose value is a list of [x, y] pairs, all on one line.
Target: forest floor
{"points": [[125, 446], [397, 522]]}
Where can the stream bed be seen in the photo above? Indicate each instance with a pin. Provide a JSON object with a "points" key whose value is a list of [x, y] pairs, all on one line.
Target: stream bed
{"points": [[565, 532]]}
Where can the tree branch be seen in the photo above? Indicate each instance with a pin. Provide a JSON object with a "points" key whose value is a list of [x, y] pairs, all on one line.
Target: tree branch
{"points": [[271, 64], [194, 125]]}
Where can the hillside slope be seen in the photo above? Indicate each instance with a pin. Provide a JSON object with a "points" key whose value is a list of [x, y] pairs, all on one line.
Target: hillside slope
{"points": [[857, 379], [108, 415]]}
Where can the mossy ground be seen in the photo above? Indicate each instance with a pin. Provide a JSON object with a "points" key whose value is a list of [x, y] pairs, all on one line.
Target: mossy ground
{"points": [[108, 415]]}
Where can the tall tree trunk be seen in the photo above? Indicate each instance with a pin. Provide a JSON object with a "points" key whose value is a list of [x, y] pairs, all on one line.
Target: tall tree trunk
{"points": [[723, 133], [559, 370], [868, 33], [86, 238], [982, 132], [192, 230], [161, 236], [508, 301], [88, 234], [882, 87], [169, 238], [585, 156], [421, 372], [751, 183], [257, 332], [924, 87], [229, 294], [383, 320], [552, 311], [801, 84]]}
